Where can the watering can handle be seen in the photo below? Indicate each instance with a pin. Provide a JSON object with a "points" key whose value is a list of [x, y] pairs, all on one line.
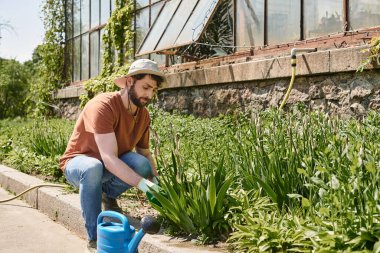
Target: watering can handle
{"points": [[116, 215]]}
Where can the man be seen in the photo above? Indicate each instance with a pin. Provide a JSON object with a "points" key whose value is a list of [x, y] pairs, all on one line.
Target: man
{"points": [[99, 157]]}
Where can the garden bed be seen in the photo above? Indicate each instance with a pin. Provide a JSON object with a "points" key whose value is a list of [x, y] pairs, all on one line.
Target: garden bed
{"points": [[268, 181]]}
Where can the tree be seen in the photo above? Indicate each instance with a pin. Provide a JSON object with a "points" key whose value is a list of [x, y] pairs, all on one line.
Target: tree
{"points": [[14, 85]]}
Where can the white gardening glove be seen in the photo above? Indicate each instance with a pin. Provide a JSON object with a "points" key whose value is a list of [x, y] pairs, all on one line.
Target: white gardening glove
{"points": [[144, 185]]}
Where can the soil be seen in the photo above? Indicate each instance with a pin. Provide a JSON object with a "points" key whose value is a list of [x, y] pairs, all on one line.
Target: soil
{"points": [[136, 205]]}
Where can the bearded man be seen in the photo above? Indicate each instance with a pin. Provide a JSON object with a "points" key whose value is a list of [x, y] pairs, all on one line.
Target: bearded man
{"points": [[108, 151]]}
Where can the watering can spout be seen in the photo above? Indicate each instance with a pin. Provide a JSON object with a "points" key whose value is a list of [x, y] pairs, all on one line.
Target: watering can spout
{"points": [[149, 225]]}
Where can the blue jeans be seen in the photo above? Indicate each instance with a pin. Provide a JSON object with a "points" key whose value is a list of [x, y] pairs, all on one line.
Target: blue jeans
{"points": [[92, 178]]}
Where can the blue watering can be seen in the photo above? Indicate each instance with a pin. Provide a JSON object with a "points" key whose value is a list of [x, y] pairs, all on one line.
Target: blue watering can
{"points": [[120, 237]]}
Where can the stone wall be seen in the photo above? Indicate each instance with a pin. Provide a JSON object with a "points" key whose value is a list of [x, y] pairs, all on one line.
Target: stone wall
{"points": [[343, 93], [69, 108], [326, 80]]}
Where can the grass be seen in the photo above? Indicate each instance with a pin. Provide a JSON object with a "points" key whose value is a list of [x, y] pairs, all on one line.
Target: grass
{"points": [[265, 181]]}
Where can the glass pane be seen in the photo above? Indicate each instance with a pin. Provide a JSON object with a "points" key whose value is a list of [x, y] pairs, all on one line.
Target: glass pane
{"points": [[154, 10], [322, 17], [94, 54], [101, 50], [195, 18], [113, 5], [142, 25], [76, 60], [85, 57], [85, 15], [249, 23], [155, 1], [69, 20], [159, 58], [69, 59], [76, 16], [105, 9], [283, 21], [197, 22], [94, 13], [141, 3], [364, 13], [176, 24]]}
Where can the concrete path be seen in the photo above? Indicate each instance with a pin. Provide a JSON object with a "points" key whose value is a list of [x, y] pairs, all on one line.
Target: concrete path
{"points": [[25, 229], [62, 212]]}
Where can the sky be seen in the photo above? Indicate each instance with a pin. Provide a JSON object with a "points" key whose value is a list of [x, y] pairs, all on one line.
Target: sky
{"points": [[28, 31]]}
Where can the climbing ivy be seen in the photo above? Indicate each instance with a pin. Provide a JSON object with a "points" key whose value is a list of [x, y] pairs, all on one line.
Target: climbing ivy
{"points": [[374, 54], [50, 67], [117, 37], [117, 50]]}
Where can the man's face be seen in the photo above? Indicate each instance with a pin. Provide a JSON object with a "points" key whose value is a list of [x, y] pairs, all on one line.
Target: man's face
{"points": [[142, 91]]}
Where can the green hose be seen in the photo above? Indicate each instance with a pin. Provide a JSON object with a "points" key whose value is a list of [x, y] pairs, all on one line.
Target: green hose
{"points": [[31, 188], [293, 62]]}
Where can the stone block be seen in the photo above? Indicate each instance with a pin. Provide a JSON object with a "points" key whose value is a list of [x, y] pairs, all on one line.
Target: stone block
{"points": [[346, 59], [360, 88], [313, 63]]}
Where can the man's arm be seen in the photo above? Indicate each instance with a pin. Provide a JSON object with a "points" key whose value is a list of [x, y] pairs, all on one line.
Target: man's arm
{"points": [[148, 155], [107, 146]]}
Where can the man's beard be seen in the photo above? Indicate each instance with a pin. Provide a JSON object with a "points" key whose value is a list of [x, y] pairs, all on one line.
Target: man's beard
{"points": [[136, 100]]}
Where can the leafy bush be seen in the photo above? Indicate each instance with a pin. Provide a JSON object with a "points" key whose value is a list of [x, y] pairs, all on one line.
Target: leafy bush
{"points": [[34, 146], [196, 203], [14, 85]]}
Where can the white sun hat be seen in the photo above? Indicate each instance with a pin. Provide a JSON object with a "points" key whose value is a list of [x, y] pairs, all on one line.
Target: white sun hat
{"points": [[141, 66]]}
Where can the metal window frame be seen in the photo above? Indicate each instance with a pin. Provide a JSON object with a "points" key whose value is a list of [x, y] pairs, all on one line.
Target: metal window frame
{"points": [[81, 33], [346, 25], [346, 20], [163, 49]]}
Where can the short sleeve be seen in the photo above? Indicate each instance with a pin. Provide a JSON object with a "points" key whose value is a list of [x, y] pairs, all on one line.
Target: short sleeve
{"points": [[98, 117]]}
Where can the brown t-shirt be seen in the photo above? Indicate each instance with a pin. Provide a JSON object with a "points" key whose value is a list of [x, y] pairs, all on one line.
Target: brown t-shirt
{"points": [[103, 114]]}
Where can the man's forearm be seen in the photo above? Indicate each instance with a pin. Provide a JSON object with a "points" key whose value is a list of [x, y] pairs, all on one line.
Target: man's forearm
{"points": [[121, 170]]}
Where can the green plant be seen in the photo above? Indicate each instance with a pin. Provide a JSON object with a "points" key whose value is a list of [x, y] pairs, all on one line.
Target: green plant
{"points": [[321, 168], [374, 54], [196, 203], [51, 73], [47, 142], [117, 38], [34, 145], [14, 85]]}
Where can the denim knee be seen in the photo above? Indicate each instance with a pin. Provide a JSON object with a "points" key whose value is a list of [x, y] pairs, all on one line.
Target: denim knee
{"points": [[144, 168], [139, 163], [93, 173]]}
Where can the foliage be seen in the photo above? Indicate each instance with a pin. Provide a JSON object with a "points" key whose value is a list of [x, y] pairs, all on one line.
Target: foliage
{"points": [[316, 168], [301, 181], [34, 146], [51, 73], [196, 203], [101, 84], [117, 38], [374, 54], [14, 85], [47, 142]]}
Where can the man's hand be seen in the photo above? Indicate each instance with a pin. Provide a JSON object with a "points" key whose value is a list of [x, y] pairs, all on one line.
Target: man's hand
{"points": [[146, 186]]}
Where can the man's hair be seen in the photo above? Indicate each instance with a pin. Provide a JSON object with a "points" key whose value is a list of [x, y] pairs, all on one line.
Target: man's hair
{"points": [[156, 78]]}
